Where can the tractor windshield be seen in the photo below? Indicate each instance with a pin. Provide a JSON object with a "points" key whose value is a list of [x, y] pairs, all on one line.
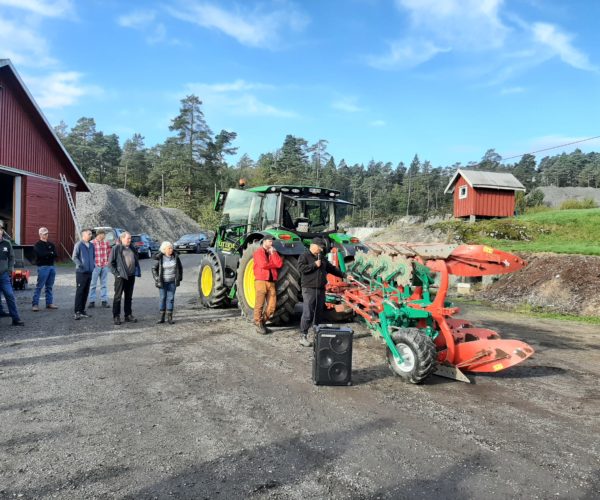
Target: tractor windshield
{"points": [[311, 214]]}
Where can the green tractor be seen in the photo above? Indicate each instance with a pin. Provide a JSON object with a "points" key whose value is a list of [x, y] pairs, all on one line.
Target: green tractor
{"points": [[293, 215]]}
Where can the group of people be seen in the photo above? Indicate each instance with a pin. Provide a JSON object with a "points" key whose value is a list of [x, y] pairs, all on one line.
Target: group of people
{"points": [[313, 267], [94, 259]]}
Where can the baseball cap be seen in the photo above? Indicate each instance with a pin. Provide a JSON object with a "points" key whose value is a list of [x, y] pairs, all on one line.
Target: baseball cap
{"points": [[319, 241], [268, 237]]}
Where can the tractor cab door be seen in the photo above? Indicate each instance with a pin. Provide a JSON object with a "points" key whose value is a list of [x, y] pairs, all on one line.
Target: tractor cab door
{"points": [[241, 215]]}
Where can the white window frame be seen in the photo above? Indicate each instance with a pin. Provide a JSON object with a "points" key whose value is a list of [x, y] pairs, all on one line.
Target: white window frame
{"points": [[463, 192]]}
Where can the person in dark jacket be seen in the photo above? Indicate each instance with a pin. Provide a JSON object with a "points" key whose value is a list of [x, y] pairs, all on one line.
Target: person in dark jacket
{"points": [[167, 272], [125, 265], [45, 255], [85, 261], [313, 267], [266, 263], [7, 264]]}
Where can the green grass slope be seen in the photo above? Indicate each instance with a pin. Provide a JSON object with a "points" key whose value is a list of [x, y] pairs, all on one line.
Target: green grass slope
{"points": [[557, 231]]}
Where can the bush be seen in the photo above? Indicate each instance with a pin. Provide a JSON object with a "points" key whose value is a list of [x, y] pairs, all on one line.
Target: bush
{"points": [[535, 198], [578, 204]]}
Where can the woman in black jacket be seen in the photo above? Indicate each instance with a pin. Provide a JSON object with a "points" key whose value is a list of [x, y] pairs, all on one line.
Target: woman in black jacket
{"points": [[167, 272]]}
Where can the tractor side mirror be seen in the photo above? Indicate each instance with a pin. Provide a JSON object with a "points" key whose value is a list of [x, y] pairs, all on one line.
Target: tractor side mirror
{"points": [[220, 198]]}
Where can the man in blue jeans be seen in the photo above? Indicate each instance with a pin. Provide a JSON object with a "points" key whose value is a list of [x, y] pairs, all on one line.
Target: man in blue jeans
{"points": [[45, 255], [7, 263]]}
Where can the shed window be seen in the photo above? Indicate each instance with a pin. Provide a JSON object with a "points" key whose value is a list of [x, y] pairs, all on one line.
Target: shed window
{"points": [[462, 192]]}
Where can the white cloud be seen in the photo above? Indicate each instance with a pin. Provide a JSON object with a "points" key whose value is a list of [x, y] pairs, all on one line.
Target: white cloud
{"points": [[59, 89], [560, 44], [235, 98], [136, 19], [22, 45], [512, 90], [255, 27], [346, 104], [56, 8], [406, 53], [377, 123]]}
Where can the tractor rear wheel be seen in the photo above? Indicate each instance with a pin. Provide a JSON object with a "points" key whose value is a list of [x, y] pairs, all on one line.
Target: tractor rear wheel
{"points": [[288, 286], [418, 351], [211, 287]]}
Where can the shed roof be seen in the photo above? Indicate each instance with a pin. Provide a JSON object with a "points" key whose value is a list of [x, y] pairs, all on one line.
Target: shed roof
{"points": [[5, 63], [486, 180]]}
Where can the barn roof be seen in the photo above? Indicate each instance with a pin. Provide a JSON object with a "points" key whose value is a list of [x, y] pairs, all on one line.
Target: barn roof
{"points": [[486, 180], [84, 186]]}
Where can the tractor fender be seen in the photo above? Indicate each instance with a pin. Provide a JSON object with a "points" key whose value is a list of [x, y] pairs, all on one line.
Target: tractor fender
{"points": [[350, 249], [283, 248]]}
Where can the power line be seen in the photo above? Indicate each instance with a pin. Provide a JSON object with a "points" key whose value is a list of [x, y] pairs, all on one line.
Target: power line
{"points": [[548, 149]]}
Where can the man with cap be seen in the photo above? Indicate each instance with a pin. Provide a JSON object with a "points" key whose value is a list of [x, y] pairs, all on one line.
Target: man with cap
{"points": [[266, 263], [45, 255], [314, 267], [7, 263]]}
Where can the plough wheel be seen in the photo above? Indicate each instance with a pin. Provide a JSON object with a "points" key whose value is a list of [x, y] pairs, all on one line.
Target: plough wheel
{"points": [[418, 351]]}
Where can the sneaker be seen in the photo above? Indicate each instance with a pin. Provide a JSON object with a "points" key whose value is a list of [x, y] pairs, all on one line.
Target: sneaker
{"points": [[117, 320], [17, 322], [130, 319], [84, 314], [35, 308], [91, 305], [77, 316], [305, 342], [261, 329], [51, 306], [105, 305]]}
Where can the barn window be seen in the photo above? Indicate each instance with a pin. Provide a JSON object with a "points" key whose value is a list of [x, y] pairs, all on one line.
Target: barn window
{"points": [[462, 192]]}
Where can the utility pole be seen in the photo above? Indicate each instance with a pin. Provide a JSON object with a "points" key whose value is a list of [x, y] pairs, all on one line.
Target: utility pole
{"points": [[162, 190]]}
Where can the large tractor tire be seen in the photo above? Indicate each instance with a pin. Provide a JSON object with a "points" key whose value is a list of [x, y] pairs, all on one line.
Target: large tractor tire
{"points": [[288, 286], [418, 351], [211, 287]]}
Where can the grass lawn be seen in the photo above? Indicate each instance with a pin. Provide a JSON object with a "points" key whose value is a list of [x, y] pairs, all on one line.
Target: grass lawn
{"points": [[557, 231]]}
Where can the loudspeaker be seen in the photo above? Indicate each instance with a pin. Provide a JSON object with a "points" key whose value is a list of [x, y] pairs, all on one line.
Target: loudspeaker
{"points": [[332, 359]]}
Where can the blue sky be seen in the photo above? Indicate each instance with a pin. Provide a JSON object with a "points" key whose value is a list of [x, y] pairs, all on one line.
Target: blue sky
{"points": [[379, 79]]}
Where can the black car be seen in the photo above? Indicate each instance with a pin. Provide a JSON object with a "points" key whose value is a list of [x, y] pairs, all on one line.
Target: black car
{"points": [[196, 243], [144, 244]]}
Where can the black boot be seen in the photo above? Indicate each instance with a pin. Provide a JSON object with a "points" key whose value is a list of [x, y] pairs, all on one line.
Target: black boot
{"points": [[117, 320], [170, 318], [162, 318]]}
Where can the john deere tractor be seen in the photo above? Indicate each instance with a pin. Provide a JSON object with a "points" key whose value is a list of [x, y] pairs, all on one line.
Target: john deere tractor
{"points": [[293, 215]]}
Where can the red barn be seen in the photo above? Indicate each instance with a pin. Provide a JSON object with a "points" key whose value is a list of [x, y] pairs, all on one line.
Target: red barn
{"points": [[32, 159], [483, 194]]}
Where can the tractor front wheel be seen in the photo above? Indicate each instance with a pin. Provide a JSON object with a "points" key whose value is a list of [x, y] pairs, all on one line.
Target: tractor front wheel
{"points": [[211, 287], [418, 352], [288, 286]]}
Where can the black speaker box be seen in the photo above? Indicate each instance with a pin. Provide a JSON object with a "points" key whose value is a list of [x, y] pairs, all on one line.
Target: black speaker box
{"points": [[332, 360]]}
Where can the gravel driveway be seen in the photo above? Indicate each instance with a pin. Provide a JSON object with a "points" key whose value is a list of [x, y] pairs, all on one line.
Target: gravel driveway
{"points": [[206, 408]]}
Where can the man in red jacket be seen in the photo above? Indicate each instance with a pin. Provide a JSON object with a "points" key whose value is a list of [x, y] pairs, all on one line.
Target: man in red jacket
{"points": [[266, 263]]}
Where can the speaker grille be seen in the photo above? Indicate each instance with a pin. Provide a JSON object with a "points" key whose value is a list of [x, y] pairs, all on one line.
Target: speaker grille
{"points": [[332, 363]]}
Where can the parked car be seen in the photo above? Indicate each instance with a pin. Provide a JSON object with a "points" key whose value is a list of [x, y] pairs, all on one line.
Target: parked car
{"points": [[196, 243], [144, 244], [112, 233]]}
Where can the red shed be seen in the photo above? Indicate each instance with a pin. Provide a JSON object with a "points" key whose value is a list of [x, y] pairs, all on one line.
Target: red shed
{"points": [[483, 194], [32, 160]]}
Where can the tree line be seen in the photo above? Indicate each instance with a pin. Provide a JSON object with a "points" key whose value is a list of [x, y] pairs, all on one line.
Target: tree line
{"points": [[192, 164]]}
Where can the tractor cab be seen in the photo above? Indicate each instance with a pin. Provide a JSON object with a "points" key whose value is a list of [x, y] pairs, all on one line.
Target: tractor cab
{"points": [[303, 211]]}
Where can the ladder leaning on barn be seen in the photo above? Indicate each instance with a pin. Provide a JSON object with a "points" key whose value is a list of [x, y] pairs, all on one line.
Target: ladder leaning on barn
{"points": [[67, 189]]}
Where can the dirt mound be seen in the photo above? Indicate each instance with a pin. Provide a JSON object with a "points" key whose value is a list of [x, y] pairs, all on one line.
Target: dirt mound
{"points": [[411, 229], [106, 206], [568, 284], [554, 196]]}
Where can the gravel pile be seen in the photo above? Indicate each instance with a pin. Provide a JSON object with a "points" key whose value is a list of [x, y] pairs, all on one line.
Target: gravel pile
{"points": [[411, 229], [554, 196], [565, 284], [107, 206]]}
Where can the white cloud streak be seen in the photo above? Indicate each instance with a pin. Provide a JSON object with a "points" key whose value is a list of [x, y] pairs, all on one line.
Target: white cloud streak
{"points": [[560, 44], [56, 8], [59, 89], [137, 19], [255, 27], [347, 105], [237, 98]]}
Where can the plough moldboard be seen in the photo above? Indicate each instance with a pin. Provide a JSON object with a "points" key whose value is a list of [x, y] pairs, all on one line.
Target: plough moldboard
{"points": [[393, 287]]}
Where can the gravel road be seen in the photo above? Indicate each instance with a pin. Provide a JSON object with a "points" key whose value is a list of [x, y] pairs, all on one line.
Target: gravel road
{"points": [[206, 408]]}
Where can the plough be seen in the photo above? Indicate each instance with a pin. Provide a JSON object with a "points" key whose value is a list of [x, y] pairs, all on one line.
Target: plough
{"points": [[400, 289]]}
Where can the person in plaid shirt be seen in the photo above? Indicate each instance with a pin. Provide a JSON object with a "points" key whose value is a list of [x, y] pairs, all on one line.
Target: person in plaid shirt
{"points": [[101, 270]]}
